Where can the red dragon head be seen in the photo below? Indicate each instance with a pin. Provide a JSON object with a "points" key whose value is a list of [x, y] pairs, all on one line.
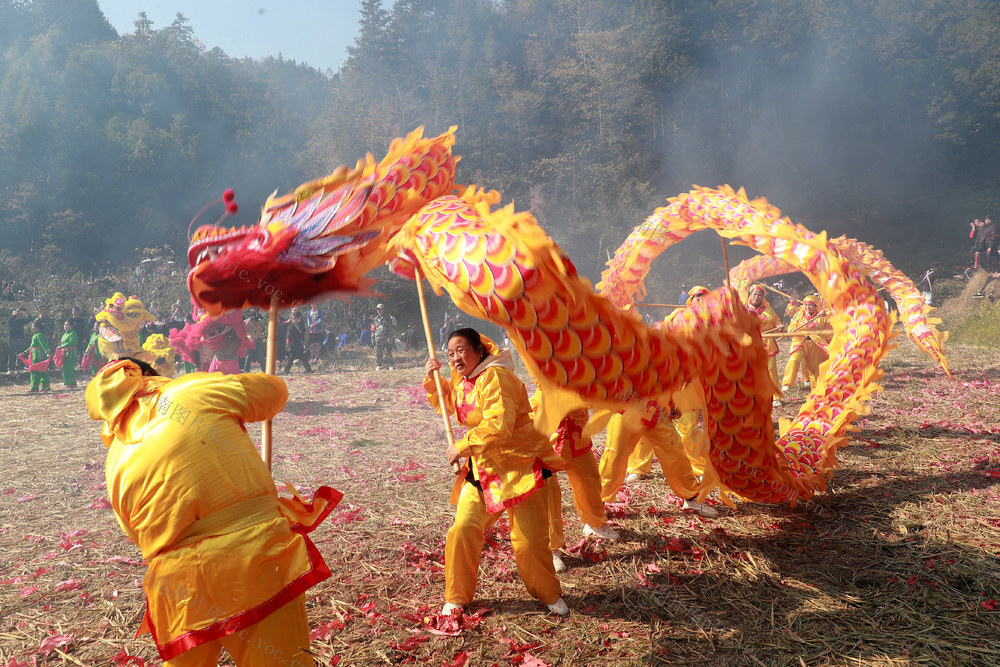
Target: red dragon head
{"points": [[325, 236]]}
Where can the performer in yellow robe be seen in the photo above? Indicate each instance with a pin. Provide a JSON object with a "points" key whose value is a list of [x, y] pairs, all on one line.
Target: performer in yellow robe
{"points": [[508, 462], [809, 350], [684, 427], [229, 562], [577, 451], [769, 322]]}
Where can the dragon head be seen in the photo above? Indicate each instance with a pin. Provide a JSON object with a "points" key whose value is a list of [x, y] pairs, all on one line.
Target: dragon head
{"points": [[325, 236]]}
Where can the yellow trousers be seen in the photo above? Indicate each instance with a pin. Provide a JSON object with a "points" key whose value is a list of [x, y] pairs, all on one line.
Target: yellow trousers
{"points": [[585, 481], [796, 362], [772, 370], [277, 640], [640, 461], [624, 435], [529, 526], [694, 439]]}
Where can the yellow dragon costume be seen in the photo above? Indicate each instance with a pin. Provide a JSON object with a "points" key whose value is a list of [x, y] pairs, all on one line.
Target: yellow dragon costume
{"points": [[585, 349]]}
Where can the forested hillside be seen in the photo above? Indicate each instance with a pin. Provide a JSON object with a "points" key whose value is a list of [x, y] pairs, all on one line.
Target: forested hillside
{"points": [[874, 119]]}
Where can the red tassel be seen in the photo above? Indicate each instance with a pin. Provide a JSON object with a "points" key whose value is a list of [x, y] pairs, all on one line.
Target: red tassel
{"points": [[232, 208], [228, 195]]}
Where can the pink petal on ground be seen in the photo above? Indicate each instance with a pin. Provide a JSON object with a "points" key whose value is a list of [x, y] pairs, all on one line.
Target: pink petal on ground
{"points": [[69, 585], [53, 642]]}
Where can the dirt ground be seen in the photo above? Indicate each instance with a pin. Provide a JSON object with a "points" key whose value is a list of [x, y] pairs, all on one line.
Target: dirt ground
{"points": [[896, 564]]}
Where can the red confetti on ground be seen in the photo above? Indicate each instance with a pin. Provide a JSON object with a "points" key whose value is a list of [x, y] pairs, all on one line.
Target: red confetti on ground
{"points": [[123, 658], [448, 625], [589, 551], [410, 643], [323, 631]]}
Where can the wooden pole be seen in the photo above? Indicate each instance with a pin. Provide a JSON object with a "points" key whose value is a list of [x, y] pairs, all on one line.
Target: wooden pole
{"points": [[788, 334], [437, 376], [269, 367], [811, 319], [725, 260], [778, 291]]}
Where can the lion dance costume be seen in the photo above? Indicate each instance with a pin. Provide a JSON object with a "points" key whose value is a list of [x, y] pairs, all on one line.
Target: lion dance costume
{"points": [[119, 324]]}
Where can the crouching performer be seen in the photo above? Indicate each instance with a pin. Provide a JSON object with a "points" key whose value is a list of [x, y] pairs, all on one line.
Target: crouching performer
{"points": [[229, 561]]}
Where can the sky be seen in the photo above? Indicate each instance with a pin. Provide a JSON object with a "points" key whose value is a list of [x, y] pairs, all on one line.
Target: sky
{"points": [[315, 32]]}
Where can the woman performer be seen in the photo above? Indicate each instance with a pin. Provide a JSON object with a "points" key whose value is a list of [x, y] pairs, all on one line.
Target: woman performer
{"points": [[38, 377], [507, 464], [769, 322], [68, 344]]}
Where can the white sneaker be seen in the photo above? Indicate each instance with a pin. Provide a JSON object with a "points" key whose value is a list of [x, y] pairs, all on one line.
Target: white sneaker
{"points": [[701, 508], [777, 403], [392, 368], [557, 563], [784, 388], [634, 477], [450, 607], [559, 607], [604, 532]]}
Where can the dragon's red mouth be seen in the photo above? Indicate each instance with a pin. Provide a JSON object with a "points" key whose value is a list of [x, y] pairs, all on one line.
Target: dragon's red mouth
{"points": [[208, 241]]}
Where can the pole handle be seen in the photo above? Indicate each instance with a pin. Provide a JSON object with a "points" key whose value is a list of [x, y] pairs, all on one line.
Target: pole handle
{"points": [[436, 375]]}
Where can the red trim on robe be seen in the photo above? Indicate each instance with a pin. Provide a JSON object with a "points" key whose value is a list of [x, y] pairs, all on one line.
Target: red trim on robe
{"points": [[317, 572], [570, 432], [494, 507]]}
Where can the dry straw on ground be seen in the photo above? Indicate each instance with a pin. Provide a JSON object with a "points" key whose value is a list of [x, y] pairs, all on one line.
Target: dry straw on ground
{"points": [[896, 564]]}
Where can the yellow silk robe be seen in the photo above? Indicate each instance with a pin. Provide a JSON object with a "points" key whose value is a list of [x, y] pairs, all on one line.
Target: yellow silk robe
{"points": [[507, 453], [188, 487]]}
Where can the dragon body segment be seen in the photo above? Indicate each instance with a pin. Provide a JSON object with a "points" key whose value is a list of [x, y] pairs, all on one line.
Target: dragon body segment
{"points": [[914, 313], [860, 322], [500, 266]]}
